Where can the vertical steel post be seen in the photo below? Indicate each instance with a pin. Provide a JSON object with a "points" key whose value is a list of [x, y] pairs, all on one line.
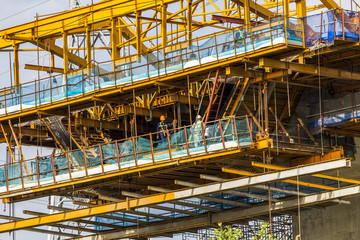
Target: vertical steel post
{"points": [[236, 133], [250, 129], [53, 167], [343, 23], [6, 177], [186, 141], [37, 170], [85, 163], [22, 176], [69, 165], [117, 154], [203, 135], [168, 140], [222, 134], [101, 159], [152, 148], [135, 155]]}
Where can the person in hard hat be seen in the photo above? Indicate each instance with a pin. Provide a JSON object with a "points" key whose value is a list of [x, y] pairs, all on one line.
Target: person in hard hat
{"points": [[196, 131], [162, 128]]}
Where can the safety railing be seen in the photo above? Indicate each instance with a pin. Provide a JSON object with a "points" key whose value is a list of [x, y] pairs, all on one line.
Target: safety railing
{"points": [[119, 155], [325, 27], [182, 56]]}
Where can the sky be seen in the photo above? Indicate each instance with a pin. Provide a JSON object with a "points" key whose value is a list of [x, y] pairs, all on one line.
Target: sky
{"points": [[16, 12]]}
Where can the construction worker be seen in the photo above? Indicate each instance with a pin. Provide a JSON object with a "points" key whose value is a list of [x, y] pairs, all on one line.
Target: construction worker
{"points": [[162, 128], [196, 131]]}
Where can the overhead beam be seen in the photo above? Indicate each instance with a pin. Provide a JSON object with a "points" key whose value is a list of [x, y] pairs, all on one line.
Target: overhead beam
{"points": [[177, 195], [16, 65], [134, 212], [301, 183], [273, 75], [37, 230], [255, 8], [181, 203], [60, 52], [226, 216], [310, 69], [330, 4], [212, 199], [238, 193], [24, 131], [335, 178], [70, 227], [44, 68], [68, 21]]}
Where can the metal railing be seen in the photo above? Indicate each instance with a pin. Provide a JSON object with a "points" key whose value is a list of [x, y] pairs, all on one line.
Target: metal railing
{"points": [[227, 44], [119, 155]]}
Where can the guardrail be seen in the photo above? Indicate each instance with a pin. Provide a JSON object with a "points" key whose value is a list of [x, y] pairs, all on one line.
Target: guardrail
{"points": [[184, 142], [174, 58]]}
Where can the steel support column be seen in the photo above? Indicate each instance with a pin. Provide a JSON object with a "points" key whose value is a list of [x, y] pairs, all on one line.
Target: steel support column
{"points": [[16, 65]]}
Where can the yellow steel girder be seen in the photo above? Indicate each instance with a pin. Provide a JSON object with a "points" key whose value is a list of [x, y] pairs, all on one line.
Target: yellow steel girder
{"points": [[310, 69], [76, 20]]}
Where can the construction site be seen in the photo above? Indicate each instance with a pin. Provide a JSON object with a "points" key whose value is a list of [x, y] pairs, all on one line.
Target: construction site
{"points": [[160, 119]]}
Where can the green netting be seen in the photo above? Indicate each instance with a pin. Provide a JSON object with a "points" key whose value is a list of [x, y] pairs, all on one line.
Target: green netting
{"points": [[199, 138]]}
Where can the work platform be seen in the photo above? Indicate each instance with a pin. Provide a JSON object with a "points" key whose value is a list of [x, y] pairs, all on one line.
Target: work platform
{"points": [[117, 79], [260, 149]]}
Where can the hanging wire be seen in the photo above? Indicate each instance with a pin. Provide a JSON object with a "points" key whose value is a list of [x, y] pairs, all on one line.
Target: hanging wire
{"points": [[320, 104], [16, 14], [298, 202], [288, 94], [10, 63], [276, 123]]}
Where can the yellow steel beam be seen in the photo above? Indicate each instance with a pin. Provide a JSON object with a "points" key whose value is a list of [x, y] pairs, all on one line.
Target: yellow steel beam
{"points": [[44, 68], [239, 97], [255, 8], [301, 8], [74, 21], [341, 179], [88, 46], [330, 4], [163, 26], [307, 184], [270, 76], [286, 8], [25, 131], [115, 39], [247, 13], [58, 51], [65, 53], [16, 65], [138, 33], [53, 135], [310, 69], [129, 34], [189, 21], [336, 153]]}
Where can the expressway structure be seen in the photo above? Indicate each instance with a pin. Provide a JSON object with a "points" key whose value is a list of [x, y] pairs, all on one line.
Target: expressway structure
{"points": [[275, 86]]}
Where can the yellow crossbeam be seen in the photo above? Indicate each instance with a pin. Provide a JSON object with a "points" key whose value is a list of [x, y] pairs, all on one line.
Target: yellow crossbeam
{"points": [[256, 8], [330, 4], [341, 179], [74, 21], [309, 69], [307, 184]]}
